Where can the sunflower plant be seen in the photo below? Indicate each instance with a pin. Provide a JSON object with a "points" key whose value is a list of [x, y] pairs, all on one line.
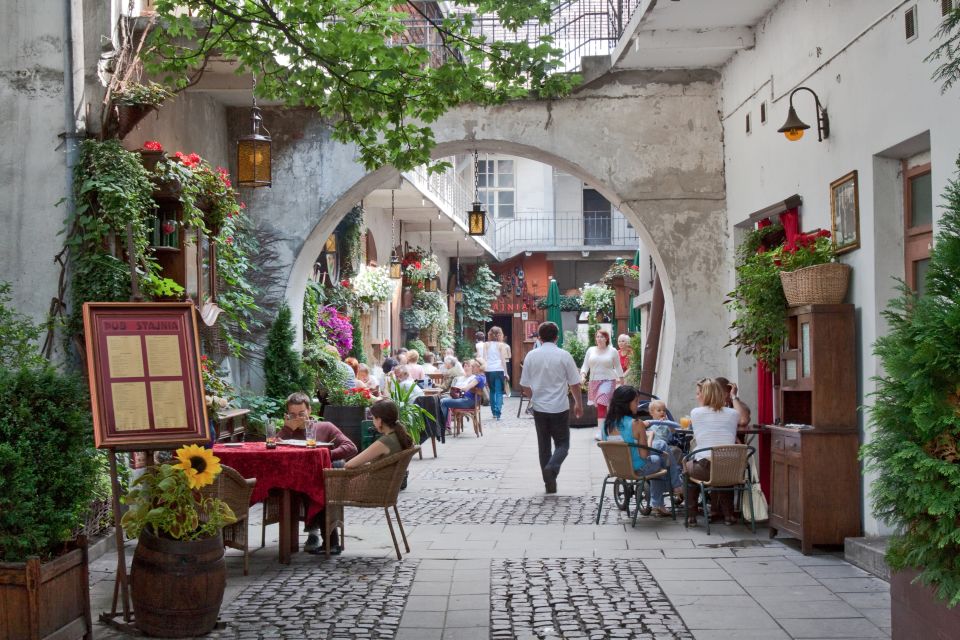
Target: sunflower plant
{"points": [[168, 501]]}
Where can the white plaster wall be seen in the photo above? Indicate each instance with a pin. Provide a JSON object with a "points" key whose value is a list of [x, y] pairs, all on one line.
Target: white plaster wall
{"points": [[878, 92]]}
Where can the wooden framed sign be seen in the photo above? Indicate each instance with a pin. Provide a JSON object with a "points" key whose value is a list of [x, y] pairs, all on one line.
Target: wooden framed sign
{"points": [[143, 361]]}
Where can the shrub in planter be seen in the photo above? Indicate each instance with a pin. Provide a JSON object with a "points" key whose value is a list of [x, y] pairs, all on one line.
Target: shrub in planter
{"points": [[915, 449]]}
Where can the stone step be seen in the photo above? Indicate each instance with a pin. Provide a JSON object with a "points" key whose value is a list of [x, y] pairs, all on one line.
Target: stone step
{"points": [[868, 554]]}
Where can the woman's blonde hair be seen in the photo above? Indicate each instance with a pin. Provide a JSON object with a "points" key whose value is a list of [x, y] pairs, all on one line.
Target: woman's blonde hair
{"points": [[479, 365], [413, 356], [711, 394], [495, 334]]}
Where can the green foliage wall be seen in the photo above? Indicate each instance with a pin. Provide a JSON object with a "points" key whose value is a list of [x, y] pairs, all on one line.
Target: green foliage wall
{"points": [[915, 446]]}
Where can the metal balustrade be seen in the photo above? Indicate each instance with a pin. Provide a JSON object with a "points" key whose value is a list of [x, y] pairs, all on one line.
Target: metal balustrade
{"points": [[565, 231]]}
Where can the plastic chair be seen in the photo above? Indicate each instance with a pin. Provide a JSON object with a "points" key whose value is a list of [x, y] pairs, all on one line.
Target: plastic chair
{"points": [[729, 472], [371, 486], [473, 414], [235, 490], [620, 469]]}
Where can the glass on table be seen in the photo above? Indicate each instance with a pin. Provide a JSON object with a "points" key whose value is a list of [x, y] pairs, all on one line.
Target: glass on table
{"points": [[685, 422], [270, 431], [311, 435]]}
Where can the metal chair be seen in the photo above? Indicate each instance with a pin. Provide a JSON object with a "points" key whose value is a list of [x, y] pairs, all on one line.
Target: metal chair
{"points": [[620, 470], [373, 485], [235, 490], [729, 472]]}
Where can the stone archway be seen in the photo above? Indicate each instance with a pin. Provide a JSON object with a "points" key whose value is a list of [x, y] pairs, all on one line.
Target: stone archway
{"points": [[650, 142]]}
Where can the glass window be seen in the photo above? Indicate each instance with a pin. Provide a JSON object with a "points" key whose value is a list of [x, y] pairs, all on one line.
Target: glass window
{"points": [[921, 201], [496, 184], [920, 268], [505, 204]]}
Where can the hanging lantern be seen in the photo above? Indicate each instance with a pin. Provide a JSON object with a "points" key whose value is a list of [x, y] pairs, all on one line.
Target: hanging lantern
{"points": [[396, 269], [476, 217], [458, 294], [431, 285], [253, 154]]}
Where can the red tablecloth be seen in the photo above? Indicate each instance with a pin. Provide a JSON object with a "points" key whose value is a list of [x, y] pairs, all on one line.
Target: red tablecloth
{"points": [[296, 468]]}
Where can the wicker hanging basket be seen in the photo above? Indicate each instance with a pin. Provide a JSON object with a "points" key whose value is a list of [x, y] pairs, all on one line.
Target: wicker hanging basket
{"points": [[819, 284]]}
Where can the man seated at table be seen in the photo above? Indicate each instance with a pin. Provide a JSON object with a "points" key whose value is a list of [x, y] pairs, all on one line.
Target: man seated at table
{"points": [[294, 428]]}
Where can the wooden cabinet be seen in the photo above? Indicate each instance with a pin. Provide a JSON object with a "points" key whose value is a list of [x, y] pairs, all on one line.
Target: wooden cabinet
{"points": [[815, 474]]}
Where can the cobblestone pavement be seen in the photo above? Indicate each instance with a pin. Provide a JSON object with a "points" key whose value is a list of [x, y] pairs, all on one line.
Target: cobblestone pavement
{"points": [[577, 598], [493, 556]]}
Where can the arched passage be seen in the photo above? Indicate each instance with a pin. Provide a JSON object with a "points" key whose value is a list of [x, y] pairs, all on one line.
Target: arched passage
{"points": [[650, 143]]}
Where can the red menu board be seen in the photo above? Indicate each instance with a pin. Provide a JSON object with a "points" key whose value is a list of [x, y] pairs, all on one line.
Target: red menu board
{"points": [[146, 388]]}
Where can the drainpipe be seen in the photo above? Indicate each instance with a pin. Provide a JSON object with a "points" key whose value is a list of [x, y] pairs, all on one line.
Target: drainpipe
{"points": [[652, 347], [70, 123]]}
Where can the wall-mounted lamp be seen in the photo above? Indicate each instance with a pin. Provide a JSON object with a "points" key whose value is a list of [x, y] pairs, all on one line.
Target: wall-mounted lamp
{"points": [[476, 217], [794, 127]]}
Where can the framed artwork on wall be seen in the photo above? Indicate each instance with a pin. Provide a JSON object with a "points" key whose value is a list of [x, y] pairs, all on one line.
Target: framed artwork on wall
{"points": [[845, 213]]}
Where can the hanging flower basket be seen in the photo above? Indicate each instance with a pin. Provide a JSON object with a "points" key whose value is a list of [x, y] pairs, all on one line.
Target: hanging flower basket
{"points": [[129, 116], [819, 284]]}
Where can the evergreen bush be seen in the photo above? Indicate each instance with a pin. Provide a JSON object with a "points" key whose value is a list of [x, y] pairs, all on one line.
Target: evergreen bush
{"points": [[915, 449], [635, 369], [282, 368], [48, 466], [575, 346]]}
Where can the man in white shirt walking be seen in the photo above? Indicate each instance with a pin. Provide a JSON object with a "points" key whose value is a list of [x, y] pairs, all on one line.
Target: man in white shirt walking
{"points": [[549, 374]]}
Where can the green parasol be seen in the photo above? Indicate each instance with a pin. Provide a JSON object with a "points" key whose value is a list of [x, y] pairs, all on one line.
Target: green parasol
{"points": [[553, 308], [633, 324]]}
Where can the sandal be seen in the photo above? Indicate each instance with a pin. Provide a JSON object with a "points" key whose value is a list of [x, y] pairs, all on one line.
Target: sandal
{"points": [[692, 522], [662, 512]]}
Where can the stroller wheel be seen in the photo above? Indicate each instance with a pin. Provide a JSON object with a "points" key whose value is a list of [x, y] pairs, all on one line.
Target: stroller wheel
{"points": [[622, 492], [643, 500]]}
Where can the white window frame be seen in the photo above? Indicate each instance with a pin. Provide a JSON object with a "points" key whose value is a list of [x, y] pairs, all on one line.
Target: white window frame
{"points": [[490, 196]]}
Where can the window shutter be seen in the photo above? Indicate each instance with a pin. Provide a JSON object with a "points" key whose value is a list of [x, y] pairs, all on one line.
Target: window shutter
{"points": [[910, 23]]}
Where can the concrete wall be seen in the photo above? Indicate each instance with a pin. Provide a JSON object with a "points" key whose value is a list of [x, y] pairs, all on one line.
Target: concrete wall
{"points": [[650, 142], [883, 107]]}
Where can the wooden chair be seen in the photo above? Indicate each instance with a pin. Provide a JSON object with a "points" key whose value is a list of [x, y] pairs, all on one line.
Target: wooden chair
{"points": [[620, 470], [235, 490], [729, 472], [473, 414], [373, 485]]}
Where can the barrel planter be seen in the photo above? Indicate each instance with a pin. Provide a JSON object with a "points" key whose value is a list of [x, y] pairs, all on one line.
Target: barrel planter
{"points": [[348, 420], [40, 600], [177, 586]]}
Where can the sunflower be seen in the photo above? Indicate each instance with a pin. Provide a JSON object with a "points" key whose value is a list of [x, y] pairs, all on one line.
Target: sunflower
{"points": [[198, 464]]}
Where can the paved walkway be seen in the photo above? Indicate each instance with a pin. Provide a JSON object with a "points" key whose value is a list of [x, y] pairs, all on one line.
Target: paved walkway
{"points": [[494, 557]]}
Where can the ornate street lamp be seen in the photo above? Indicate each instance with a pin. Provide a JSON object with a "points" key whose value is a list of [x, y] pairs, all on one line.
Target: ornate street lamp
{"points": [[253, 151], [396, 270], [476, 217], [794, 127]]}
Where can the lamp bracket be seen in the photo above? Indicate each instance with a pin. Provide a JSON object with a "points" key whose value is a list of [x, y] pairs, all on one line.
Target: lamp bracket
{"points": [[823, 121]]}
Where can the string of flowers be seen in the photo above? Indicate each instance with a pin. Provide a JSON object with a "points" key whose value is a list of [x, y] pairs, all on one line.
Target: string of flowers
{"points": [[335, 328]]}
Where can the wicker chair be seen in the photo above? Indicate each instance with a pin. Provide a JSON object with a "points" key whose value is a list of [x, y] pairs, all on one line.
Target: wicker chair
{"points": [[374, 485], [235, 490], [473, 414], [271, 511], [620, 470], [729, 472]]}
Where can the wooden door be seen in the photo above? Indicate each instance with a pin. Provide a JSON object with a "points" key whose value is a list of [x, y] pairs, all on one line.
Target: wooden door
{"points": [[918, 224]]}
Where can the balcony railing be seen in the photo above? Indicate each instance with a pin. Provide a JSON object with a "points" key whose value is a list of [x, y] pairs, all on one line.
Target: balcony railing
{"points": [[566, 231]]}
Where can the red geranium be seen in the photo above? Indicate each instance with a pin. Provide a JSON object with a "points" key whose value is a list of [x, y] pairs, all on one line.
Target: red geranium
{"points": [[385, 344], [345, 284], [635, 267], [152, 145]]}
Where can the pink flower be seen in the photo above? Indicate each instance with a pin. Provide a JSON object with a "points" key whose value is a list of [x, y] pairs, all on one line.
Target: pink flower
{"points": [[152, 145], [229, 239]]}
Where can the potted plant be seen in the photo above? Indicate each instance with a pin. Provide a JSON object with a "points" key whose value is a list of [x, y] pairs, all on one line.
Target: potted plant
{"points": [[914, 450], [578, 349], [808, 271], [373, 285], [598, 299], [207, 194], [48, 474], [347, 409], [178, 574], [133, 102]]}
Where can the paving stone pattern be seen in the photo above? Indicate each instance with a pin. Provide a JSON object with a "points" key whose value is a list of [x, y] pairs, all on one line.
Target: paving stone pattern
{"points": [[579, 598], [352, 599], [487, 509]]}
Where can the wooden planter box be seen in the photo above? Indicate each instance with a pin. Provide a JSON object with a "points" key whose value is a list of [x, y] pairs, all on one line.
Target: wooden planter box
{"points": [[589, 417], [41, 600], [348, 420], [917, 613]]}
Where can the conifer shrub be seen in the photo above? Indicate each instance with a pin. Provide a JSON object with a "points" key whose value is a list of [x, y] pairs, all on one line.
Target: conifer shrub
{"points": [[281, 364], [915, 449]]}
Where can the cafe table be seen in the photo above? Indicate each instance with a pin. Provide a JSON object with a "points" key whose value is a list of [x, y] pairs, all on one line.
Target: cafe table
{"points": [[293, 470]]}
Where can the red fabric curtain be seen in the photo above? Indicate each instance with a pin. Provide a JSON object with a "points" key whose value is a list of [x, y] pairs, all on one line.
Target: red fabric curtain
{"points": [[790, 219]]}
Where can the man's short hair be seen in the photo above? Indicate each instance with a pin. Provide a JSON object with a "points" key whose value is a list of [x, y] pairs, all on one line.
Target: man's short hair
{"points": [[548, 331], [298, 397]]}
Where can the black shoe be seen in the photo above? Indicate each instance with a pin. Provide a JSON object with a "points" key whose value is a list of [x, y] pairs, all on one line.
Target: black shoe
{"points": [[550, 486], [406, 476]]}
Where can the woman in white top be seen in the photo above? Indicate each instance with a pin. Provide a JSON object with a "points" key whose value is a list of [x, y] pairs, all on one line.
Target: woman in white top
{"points": [[496, 353], [602, 365], [714, 424]]}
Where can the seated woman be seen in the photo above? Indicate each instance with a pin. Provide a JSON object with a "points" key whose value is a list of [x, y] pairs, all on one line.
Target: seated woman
{"points": [[393, 436], [451, 370], [402, 375], [713, 424], [463, 392], [621, 426]]}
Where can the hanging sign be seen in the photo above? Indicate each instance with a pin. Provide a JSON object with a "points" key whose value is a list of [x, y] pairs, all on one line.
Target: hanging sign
{"points": [[143, 361]]}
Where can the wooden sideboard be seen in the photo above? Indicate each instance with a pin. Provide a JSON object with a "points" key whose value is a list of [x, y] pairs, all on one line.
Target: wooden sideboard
{"points": [[814, 470]]}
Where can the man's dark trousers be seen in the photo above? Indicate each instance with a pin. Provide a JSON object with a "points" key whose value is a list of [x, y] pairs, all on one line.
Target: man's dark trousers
{"points": [[552, 428]]}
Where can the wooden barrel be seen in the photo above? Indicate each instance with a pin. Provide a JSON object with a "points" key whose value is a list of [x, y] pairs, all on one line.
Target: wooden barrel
{"points": [[177, 586]]}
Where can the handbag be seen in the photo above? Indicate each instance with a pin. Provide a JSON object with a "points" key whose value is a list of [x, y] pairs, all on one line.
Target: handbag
{"points": [[456, 392], [758, 501]]}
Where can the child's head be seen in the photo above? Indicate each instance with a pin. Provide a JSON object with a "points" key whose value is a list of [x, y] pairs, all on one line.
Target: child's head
{"points": [[657, 409], [298, 405]]}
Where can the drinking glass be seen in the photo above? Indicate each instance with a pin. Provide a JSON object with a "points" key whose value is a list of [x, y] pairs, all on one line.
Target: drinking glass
{"points": [[311, 435], [271, 432], [685, 422]]}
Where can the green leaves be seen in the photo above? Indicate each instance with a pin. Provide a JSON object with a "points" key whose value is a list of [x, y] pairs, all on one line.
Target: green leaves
{"points": [[360, 62], [916, 418], [479, 294]]}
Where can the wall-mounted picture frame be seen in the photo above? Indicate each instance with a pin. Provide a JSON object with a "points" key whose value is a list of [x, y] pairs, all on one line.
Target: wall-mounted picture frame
{"points": [[845, 213]]}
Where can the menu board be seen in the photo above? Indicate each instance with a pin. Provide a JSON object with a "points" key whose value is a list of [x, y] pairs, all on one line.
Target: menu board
{"points": [[146, 388]]}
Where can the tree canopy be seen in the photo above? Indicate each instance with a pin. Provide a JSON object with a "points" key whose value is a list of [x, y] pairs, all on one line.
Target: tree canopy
{"points": [[358, 62]]}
